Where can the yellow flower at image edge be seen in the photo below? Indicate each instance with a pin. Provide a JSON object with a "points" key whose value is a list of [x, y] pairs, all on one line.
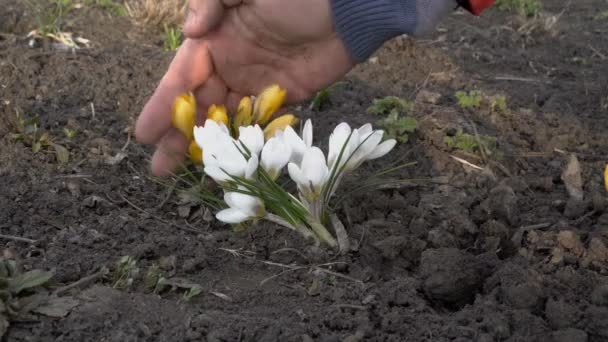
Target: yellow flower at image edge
{"points": [[183, 114], [606, 177]]}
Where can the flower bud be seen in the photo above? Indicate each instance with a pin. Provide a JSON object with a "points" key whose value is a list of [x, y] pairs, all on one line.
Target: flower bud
{"points": [[218, 114], [183, 114], [279, 124], [243, 114], [196, 153], [267, 103]]}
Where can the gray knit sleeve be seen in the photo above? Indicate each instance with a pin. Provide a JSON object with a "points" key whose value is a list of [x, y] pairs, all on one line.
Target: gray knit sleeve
{"points": [[364, 25]]}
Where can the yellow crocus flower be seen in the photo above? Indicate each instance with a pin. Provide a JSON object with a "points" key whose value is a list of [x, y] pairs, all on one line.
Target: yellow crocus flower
{"points": [[279, 124], [183, 114], [196, 153], [218, 114], [606, 177], [267, 103], [243, 114]]}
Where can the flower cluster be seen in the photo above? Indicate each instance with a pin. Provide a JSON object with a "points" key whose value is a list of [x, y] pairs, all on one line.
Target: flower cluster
{"points": [[247, 155], [251, 110], [247, 168]]}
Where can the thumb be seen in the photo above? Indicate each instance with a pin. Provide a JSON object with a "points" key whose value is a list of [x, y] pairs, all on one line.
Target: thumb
{"points": [[203, 16]]}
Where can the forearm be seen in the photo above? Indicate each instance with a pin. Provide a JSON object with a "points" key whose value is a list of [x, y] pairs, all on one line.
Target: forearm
{"points": [[364, 25]]}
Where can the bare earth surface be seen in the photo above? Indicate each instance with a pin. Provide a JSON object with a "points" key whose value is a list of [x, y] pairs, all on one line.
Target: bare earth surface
{"points": [[500, 254]]}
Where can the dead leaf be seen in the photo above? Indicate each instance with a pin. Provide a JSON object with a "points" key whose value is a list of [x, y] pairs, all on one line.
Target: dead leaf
{"points": [[57, 307], [572, 178], [115, 159], [62, 153]]}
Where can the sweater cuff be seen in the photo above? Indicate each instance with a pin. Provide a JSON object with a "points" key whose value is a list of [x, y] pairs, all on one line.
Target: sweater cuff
{"points": [[364, 25]]}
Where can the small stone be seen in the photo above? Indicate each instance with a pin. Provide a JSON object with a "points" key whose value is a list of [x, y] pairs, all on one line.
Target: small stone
{"points": [[571, 176], [570, 241], [542, 183], [575, 208], [428, 97], [599, 203], [502, 203], [560, 314], [451, 275], [438, 237], [597, 253], [597, 322], [167, 263], [315, 288], [569, 335], [599, 296]]}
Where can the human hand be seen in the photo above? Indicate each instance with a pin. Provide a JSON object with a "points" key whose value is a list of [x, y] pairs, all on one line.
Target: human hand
{"points": [[235, 48]]}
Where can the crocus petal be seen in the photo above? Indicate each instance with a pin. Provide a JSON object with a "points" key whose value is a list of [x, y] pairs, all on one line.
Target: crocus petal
{"points": [[337, 141], [250, 205], [365, 129], [232, 216], [275, 155], [314, 167], [252, 166], [295, 173], [252, 137], [298, 146], [382, 149], [307, 133], [216, 173]]}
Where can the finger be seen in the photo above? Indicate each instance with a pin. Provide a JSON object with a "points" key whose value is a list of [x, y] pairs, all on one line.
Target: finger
{"points": [[232, 101], [212, 92], [190, 68], [203, 16], [170, 153]]}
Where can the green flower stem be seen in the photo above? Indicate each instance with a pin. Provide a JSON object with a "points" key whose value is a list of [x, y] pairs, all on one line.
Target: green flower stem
{"points": [[302, 230], [322, 233]]}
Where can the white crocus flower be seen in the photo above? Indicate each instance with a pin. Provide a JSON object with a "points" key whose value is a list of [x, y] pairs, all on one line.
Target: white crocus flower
{"points": [[298, 144], [356, 146], [369, 147], [275, 155], [312, 174], [342, 143], [242, 207], [221, 156], [252, 137]]}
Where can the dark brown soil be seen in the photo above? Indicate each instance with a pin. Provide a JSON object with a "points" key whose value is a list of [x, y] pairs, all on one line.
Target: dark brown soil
{"points": [[500, 254]]}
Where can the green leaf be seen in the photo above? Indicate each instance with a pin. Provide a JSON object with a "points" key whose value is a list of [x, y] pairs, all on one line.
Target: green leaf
{"points": [[29, 280]]}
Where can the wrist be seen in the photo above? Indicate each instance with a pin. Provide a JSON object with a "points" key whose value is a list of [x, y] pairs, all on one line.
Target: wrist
{"points": [[365, 25]]}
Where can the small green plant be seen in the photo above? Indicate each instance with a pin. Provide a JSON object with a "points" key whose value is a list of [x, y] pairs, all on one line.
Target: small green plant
{"points": [[396, 125], [27, 130], [17, 291], [69, 133], [389, 105], [473, 144], [498, 103], [173, 38], [470, 100], [50, 17], [525, 8], [323, 97], [126, 272], [113, 6], [602, 15]]}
